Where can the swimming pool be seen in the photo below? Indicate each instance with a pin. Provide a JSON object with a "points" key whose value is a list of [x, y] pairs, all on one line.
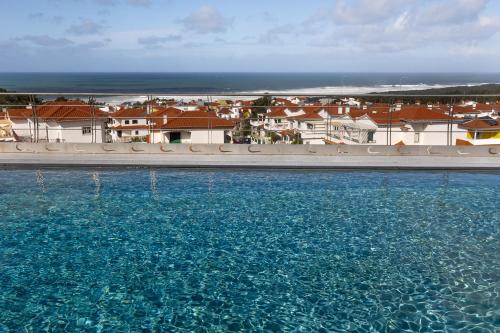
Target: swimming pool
{"points": [[177, 250]]}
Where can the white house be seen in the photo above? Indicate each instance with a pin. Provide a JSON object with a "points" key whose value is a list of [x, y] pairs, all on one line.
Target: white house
{"points": [[197, 127], [129, 125], [158, 119], [482, 131], [68, 121], [347, 130], [311, 126], [413, 125]]}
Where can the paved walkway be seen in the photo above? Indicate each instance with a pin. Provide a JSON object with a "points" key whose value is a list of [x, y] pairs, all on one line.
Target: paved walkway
{"points": [[251, 161]]}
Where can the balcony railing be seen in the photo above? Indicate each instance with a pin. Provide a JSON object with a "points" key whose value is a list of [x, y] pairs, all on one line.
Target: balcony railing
{"points": [[34, 122]]}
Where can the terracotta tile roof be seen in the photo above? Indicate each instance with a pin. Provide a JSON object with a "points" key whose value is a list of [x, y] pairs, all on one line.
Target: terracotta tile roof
{"points": [[460, 109], [130, 127], [421, 113], [198, 120], [307, 116], [60, 112], [356, 113], [409, 113], [481, 125], [482, 107], [277, 112], [129, 113], [159, 113], [19, 113], [333, 110], [312, 109]]}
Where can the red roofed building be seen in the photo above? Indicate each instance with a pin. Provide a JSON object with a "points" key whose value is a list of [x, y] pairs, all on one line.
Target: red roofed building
{"points": [[415, 125], [197, 127], [482, 131], [68, 121], [129, 124]]}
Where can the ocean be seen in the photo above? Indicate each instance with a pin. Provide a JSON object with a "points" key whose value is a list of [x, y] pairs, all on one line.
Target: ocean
{"points": [[220, 83]]}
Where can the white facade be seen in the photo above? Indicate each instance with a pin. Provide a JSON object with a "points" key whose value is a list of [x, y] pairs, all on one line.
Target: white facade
{"points": [[311, 131], [419, 134], [65, 131], [127, 129], [195, 136]]}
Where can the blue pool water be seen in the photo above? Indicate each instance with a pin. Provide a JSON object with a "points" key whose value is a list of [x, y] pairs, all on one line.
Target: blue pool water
{"points": [[169, 250]]}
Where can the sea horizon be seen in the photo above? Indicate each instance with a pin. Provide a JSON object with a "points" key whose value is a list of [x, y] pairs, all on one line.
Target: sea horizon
{"points": [[237, 82]]}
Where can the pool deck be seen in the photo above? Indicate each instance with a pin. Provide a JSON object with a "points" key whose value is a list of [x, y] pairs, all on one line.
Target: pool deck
{"points": [[250, 156]]}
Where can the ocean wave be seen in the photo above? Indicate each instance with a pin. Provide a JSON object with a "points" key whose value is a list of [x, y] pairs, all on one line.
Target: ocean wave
{"points": [[320, 91]]}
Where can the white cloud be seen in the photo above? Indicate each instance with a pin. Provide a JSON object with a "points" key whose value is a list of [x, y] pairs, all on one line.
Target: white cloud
{"points": [[207, 19], [396, 26], [451, 11], [367, 11]]}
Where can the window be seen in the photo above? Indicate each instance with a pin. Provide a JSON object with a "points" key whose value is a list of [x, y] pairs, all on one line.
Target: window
{"points": [[86, 130], [136, 132], [310, 126], [417, 138], [127, 122], [135, 121]]}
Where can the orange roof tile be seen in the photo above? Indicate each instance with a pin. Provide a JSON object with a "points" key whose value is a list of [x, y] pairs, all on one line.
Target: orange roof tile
{"points": [[130, 127], [307, 116], [60, 112], [129, 113], [276, 112], [198, 120], [481, 125]]}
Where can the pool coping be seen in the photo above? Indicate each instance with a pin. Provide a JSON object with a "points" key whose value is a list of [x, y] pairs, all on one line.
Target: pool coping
{"points": [[358, 157]]}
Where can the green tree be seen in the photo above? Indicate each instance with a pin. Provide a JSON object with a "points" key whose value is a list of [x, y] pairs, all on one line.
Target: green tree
{"points": [[15, 100], [260, 105]]}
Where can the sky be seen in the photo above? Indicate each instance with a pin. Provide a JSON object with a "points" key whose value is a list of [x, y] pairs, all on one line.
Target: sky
{"points": [[250, 36]]}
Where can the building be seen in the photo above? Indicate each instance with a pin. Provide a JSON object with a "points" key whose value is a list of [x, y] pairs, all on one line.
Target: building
{"points": [[413, 125], [59, 121], [6, 134], [158, 119], [129, 125], [197, 127], [348, 130], [311, 126], [484, 131]]}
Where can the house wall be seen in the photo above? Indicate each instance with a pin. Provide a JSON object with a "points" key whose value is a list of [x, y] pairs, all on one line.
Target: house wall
{"points": [[22, 128], [431, 134], [122, 121], [72, 132], [197, 136], [205, 136]]}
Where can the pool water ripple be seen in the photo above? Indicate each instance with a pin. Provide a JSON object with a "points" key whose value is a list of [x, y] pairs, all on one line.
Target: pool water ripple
{"points": [[216, 251]]}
